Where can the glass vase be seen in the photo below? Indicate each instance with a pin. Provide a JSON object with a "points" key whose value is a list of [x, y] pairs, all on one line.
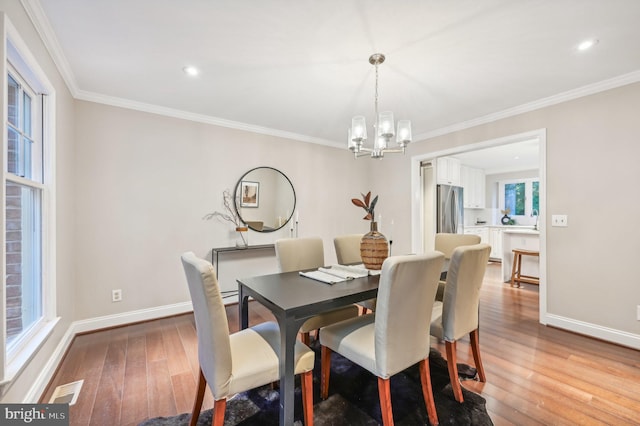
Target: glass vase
{"points": [[242, 237]]}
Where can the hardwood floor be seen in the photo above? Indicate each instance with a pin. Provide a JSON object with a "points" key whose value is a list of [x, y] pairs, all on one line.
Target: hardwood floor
{"points": [[535, 374]]}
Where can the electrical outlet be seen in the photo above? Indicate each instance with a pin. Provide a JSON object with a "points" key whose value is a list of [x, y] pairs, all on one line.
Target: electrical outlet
{"points": [[559, 220], [638, 312], [116, 295]]}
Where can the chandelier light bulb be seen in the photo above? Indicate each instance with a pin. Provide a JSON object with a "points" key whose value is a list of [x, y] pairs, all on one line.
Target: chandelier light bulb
{"points": [[385, 124], [403, 135]]}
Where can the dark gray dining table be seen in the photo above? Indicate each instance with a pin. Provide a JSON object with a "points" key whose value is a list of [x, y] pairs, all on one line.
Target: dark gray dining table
{"points": [[293, 299]]}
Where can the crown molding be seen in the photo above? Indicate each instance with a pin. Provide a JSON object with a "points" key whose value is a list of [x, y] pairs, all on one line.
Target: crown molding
{"points": [[48, 36], [590, 89], [200, 118], [44, 29]]}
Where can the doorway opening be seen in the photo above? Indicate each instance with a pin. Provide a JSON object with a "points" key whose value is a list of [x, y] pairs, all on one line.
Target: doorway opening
{"points": [[496, 158]]}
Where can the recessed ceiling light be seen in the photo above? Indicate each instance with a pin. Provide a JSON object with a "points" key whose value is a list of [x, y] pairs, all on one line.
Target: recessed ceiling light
{"points": [[587, 44], [192, 71]]}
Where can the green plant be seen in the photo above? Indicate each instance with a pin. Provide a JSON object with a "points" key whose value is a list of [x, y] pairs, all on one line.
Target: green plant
{"points": [[368, 206]]}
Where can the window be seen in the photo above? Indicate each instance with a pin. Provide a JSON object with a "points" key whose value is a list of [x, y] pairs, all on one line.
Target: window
{"points": [[28, 314], [23, 201], [521, 197]]}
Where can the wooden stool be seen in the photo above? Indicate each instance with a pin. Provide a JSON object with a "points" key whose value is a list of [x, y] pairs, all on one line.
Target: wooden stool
{"points": [[516, 270]]}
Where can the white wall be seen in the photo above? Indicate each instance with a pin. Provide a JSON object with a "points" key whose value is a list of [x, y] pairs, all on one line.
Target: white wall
{"points": [[591, 168], [145, 181]]}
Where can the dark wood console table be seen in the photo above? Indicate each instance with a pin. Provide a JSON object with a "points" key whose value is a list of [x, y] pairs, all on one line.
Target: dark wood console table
{"points": [[216, 252]]}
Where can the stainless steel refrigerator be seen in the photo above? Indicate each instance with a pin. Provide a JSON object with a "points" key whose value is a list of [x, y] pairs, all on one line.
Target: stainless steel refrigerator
{"points": [[450, 209]]}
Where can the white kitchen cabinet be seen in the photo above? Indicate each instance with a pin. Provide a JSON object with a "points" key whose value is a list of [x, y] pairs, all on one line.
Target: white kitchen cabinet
{"points": [[495, 240], [448, 171], [481, 231], [473, 182]]}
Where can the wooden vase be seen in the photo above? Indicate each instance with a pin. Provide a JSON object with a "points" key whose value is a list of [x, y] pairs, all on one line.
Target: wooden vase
{"points": [[374, 248]]}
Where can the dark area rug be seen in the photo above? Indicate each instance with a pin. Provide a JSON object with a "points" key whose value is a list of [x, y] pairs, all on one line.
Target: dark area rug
{"points": [[353, 399]]}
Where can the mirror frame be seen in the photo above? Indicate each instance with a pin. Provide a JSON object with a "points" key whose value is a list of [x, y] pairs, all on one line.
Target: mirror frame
{"points": [[236, 199]]}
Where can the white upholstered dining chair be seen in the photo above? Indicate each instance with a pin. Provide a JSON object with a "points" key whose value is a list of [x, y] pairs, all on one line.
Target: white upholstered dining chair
{"points": [[298, 254], [391, 340], [348, 252], [446, 244], [348, 248], [457, 314], [240, 361]]}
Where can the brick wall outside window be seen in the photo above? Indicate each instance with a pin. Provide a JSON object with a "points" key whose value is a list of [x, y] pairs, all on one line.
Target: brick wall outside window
{"points": [[14, 260]]}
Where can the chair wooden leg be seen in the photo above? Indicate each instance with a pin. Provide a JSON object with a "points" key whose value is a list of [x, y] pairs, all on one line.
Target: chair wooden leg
{"points": [[218, 412], [475, 348], [325, 369], [197, 404], [453, 370], [306, 338], [427, 391], [384, 390], [513, 269], [307, 397], [519, 270]]}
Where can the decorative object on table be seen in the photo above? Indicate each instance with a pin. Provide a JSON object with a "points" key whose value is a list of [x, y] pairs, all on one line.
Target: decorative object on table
{"points": [[353, 399], [384, 127], [505, 219], [231, 216], [243, 234], [374, 248], [249, 193]]}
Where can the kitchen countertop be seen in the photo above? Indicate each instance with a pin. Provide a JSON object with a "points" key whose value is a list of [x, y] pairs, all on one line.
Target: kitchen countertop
{"points": [[522, 231], [530, 227]]}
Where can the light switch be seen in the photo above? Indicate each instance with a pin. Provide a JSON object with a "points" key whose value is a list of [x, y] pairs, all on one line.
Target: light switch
{"points": [[559, 220]]}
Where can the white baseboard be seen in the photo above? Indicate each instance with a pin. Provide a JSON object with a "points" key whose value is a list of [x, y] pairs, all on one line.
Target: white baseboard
{"points": [[592, 330], [131, 317], [92, 324]]}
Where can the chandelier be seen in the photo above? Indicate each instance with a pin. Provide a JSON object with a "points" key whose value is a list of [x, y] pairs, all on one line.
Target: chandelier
{"points": [[383, 127]]}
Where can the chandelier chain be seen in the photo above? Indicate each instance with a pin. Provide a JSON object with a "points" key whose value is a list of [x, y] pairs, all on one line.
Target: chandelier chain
{"points": [[376, 98]]}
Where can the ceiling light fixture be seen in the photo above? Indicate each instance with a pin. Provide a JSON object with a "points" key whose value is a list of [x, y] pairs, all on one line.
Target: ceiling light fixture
{"points": [[192, 71], [587, 44], [383, 128]]}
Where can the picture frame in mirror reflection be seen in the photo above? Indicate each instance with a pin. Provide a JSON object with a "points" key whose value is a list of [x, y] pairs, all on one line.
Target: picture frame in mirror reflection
{"points": [[249, 193]]}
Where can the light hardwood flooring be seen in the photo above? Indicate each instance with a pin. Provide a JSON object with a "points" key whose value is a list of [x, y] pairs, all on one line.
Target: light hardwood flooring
{"points": [[535, 374]]}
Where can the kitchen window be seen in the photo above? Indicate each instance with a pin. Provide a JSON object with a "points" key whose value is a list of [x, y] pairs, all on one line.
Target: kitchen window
{"points": [[521, 197], [28, 314]]}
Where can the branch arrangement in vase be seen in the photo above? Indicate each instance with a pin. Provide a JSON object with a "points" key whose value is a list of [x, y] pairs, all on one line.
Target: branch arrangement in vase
{"points": [[231, 215]]}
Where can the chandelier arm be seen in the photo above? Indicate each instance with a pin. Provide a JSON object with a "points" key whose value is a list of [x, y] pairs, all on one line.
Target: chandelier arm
{"points": [[394, 150]]}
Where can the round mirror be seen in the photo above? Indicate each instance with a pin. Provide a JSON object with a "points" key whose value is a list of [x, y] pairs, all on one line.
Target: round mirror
{"points": [[265, 199]]}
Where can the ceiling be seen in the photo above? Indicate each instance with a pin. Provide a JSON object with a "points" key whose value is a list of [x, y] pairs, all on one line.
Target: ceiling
{"points": [[511, 157], [300, 69]]}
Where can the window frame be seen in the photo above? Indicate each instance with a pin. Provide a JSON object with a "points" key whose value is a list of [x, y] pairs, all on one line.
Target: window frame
{"points": [[528, 195], [19, 59]]}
